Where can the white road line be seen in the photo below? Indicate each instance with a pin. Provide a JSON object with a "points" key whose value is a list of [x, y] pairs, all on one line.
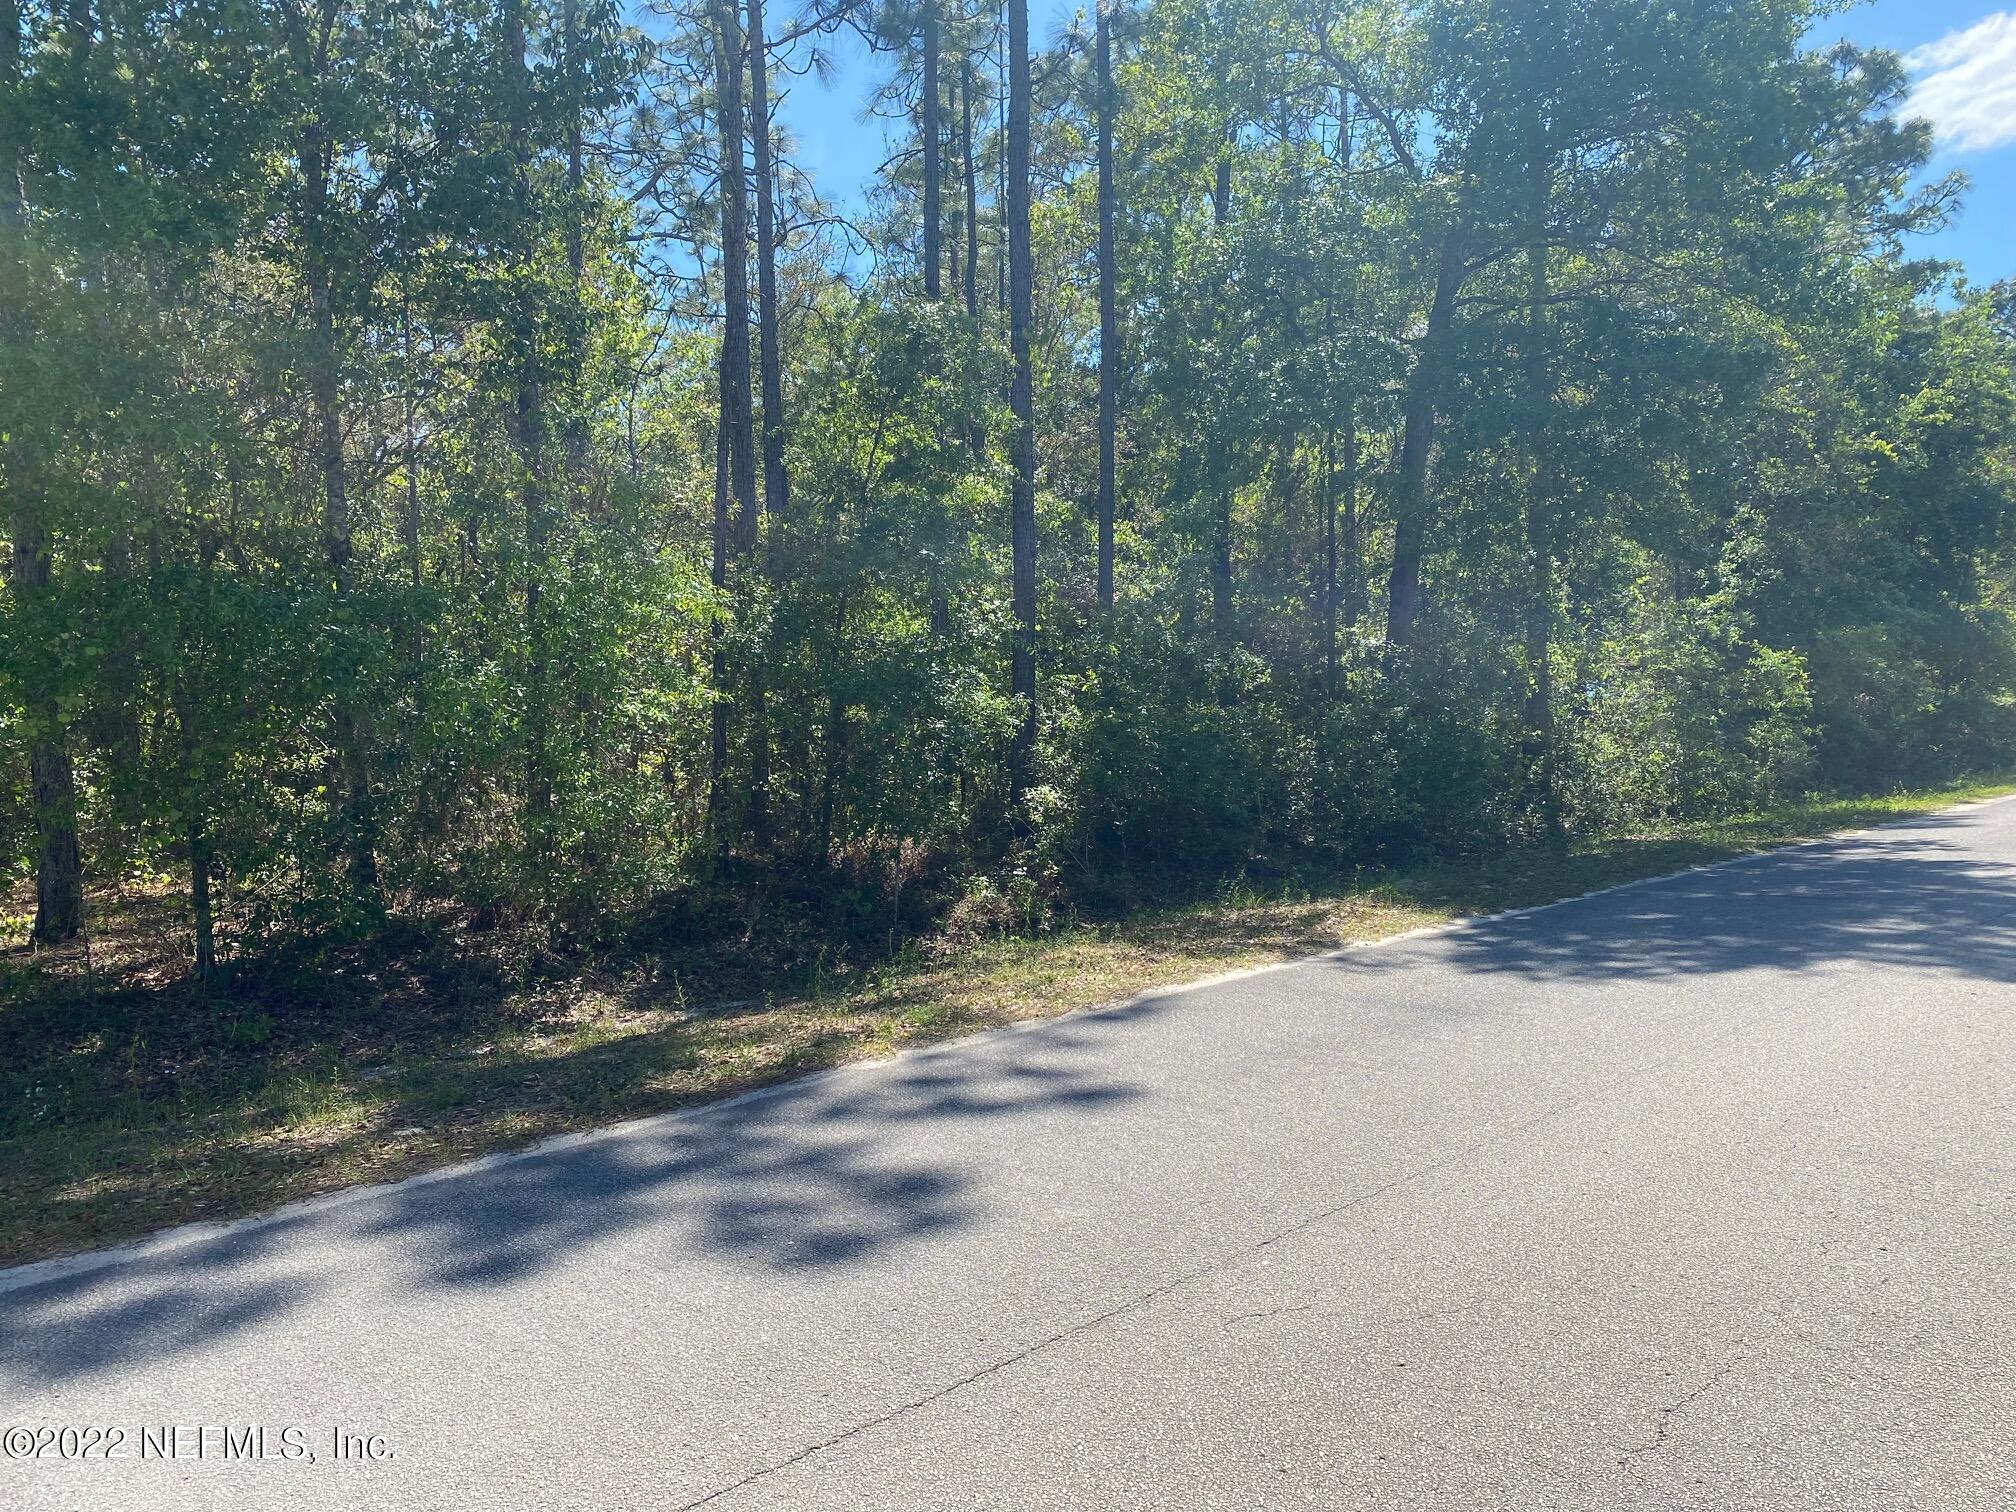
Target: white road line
{"points": [[63, 1267]]}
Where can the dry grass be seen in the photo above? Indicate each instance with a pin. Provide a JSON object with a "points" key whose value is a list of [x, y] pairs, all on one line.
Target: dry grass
{"points": [[133, 1103]]}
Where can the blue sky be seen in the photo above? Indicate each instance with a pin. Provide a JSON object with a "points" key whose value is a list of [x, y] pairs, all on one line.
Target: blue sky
{"points": [[1962, 55]]}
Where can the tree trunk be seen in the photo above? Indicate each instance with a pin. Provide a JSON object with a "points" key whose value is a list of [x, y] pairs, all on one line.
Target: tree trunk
{"points": [[202, 858], [1109, 322], [1353, 567], [1424, 390], [737, 421], [1021, 293], [1540, 513], [717, 750], [409, 523], [1001, 156], [117, 727], [204, 963], [322, 377], [735, 454], [529, 432], [971, 172], [835, 741], [954, 262], [574, 433], [202, 862], [770, 362], [933, 132], [1354, 545], [776, 483], [325, 394], [1330, 565], [1221, 522], [59, 871], [197, 782], [1291, 283], [10, 146]]}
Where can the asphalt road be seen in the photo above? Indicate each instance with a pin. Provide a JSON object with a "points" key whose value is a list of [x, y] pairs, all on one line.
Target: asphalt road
{"points": [[1696, 1194]]}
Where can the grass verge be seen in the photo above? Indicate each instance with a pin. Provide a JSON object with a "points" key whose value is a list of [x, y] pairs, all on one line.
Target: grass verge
{"points": [[128, 1106]]}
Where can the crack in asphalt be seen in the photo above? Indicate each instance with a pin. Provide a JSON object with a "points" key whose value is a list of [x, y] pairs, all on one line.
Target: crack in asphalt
{"points": [[1268, 1312], [1222, 1262], [1434, 1314], [1663, 1425], [1583, 1097]]}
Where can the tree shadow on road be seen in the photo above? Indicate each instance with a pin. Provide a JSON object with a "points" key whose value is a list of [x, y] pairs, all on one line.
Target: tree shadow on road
{"points": [[822, 1173], [1893, 899]]}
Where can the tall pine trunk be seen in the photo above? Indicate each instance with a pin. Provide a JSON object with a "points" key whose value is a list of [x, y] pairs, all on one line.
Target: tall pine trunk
{"points": [[1330, 580], [1109, 321], [1417, 444], [1001, 156], [196, 835], [315, 160], [932, 129], [11, 188], [1353, 566], [717, 656], [1021, 398], [117, 725], [59, 870], [1221, 521], [735, 503], [737, 419], [409, 519], [770, 363], [776, 483], [971, 173], [1539, 712], [528, 423], [574, 426], [11, 42]]}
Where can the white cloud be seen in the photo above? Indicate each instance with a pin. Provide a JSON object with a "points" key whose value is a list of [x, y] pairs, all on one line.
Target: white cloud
{"points": [[1966, 84]]}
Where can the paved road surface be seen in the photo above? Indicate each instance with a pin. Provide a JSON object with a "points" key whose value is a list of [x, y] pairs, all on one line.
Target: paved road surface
{"points": [[1697, 1194]]}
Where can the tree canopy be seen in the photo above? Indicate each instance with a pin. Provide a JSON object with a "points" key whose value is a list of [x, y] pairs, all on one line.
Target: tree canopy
{"points": [[454, 454]]}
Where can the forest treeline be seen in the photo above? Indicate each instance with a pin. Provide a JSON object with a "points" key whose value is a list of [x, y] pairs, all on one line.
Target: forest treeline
{"points": [[453, 454]]}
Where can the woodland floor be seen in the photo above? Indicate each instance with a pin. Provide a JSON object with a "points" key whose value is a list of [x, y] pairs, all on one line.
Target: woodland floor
{"points": [[130, 1101]]}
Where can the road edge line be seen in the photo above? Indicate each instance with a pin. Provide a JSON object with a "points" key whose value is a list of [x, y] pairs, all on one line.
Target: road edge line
{"points": [[186, 1235]]}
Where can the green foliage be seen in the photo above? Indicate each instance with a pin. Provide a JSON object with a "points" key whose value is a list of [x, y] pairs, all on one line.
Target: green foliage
{"points": [[360, 399], [1683, 716], [1168, 759], [1402, 767]]}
